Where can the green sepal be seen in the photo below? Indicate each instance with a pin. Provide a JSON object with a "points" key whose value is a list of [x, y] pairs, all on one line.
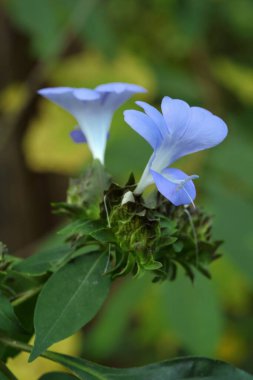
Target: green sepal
{"points": [[143, 234], [86, 192]]}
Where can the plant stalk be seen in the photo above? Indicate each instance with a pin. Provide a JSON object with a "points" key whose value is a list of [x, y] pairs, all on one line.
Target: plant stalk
{"points": [[25, 296], [15, 344]]}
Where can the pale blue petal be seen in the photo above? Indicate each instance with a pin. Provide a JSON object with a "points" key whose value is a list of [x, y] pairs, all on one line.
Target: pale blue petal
{"points": [[187, 130], [175, 185], [62, 96], [155, 115], [95, 123], [146, 178], [145, 126], [93, 110], [202, 131], [176, 114], [54, 91], [71, 99], [85, 94], [119, 87], [113, 100], [113, 95], [78, 136], [85, 105], [163, 155]]}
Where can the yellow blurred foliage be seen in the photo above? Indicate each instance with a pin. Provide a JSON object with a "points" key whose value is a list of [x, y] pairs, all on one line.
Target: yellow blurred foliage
{"points": [[13, 98], [47, 144], [232, 348], [167, 345], [32, 371], [236, 78]]}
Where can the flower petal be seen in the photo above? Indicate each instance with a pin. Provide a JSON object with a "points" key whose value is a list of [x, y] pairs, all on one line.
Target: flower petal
{"points": [[202, 131], [119, 87], [93, 110], [142, 124], [113, 95], [163, 155], [78, 136], [146, 178], [71, 99], [175, 185], [85, 105], [176, 113], [155, 115], [85, 94], [95, 124]]}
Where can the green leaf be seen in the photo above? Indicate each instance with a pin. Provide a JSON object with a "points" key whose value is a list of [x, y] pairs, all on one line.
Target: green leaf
{"points": [[70, 299], [104, 235], [57, 376], [194, 313], [191, 368], [88, 230], [85, 228], [9, 323], [25, 310], [43, 261]]}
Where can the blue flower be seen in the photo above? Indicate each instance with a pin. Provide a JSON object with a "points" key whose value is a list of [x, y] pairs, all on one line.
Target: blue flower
{"points": [[93, 110], [177, 131]]}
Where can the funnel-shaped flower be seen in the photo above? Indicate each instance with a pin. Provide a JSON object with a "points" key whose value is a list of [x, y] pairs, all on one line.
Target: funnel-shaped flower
{"points": [[93, 110], [177, 131]]}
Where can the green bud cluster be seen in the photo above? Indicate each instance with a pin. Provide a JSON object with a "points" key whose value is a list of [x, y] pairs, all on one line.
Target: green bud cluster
{"points": [[139, 235]]}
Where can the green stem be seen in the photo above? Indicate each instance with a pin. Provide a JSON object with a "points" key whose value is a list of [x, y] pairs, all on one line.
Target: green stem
{"points": [[25, 296], [15, 344], [5, 370], [20, 346]]}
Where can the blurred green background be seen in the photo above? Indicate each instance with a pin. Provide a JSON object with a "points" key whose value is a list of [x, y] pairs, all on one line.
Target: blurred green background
{"points": [[196, 50]]}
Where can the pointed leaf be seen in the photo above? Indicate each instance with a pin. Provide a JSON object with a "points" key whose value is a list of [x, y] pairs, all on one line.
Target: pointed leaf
{"points": [[43, 261], [9, 323], [69, 300], [11, 326], [191, 368]]}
